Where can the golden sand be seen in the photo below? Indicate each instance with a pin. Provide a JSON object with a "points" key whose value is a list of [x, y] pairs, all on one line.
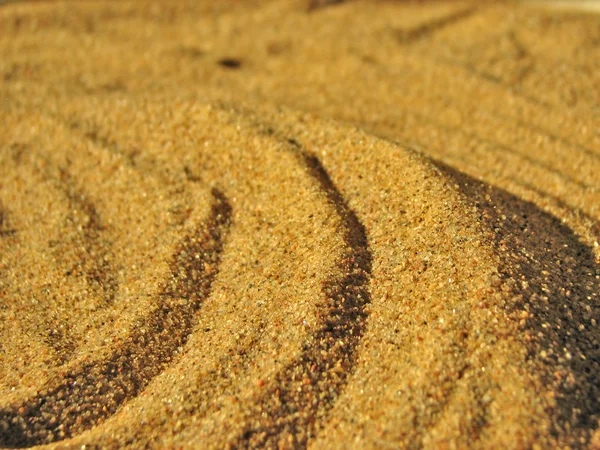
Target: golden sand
{"points": [[291, 223]]}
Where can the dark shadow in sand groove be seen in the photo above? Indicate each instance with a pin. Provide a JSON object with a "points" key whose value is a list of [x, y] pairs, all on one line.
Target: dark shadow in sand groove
{"points": [[88, 250], [411, 35], [592, 223], [304, 391], [559, 281], [91, 259], [314, 5], [94, 391], [5, 229], [97, 269]]}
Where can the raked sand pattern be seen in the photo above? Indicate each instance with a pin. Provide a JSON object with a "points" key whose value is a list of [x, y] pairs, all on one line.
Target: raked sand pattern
{"points": [[299, 224]]}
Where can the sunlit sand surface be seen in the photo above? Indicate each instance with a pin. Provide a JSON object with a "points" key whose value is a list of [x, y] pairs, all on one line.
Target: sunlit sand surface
{"points": [[299, 224]]}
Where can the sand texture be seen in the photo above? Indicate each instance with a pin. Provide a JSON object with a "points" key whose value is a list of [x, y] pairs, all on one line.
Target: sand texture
{"points": [[299, 224]]}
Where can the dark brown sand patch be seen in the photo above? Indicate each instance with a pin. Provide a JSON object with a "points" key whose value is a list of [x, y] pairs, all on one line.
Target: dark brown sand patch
{"points": [[557, 279], [303, 391]]}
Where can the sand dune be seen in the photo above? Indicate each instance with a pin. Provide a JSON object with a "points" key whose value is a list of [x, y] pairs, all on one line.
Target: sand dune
{"points": [[291, 224]]}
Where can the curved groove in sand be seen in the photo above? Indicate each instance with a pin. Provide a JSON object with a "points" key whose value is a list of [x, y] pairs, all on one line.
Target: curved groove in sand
{"points": [[92, 258], [98, 272], [412, 35], [94, 391], [468, 318], [320, 372], [549, 302], [306, 389], [5, 229], [89, 250]]}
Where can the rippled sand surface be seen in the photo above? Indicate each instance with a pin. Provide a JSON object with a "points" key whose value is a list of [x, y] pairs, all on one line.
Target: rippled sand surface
{"points": [[299, 224]]}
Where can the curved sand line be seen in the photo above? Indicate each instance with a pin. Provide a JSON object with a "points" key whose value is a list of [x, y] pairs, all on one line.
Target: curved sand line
{"points": [[469, 319], [327, 359], [86, 396], [105, 385], [285, 430]]}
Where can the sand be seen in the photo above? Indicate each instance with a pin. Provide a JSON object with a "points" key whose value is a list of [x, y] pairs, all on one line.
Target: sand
{"points": [[299, 224]]}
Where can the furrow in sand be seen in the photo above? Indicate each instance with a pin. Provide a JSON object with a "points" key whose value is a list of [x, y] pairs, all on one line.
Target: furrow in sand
{"points": [[89, 394], [585, 225], [412, 35], [90, 258], [5, 228], [555, 276], [96, 258], [482, 309], [316, 181], [292, 410], [82, 252]]}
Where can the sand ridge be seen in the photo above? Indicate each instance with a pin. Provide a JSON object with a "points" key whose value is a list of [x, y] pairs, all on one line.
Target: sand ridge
{"points": [[282, 225]]}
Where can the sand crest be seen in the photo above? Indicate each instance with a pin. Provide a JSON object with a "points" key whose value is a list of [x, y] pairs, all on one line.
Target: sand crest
{"points": [[292, 224]]}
